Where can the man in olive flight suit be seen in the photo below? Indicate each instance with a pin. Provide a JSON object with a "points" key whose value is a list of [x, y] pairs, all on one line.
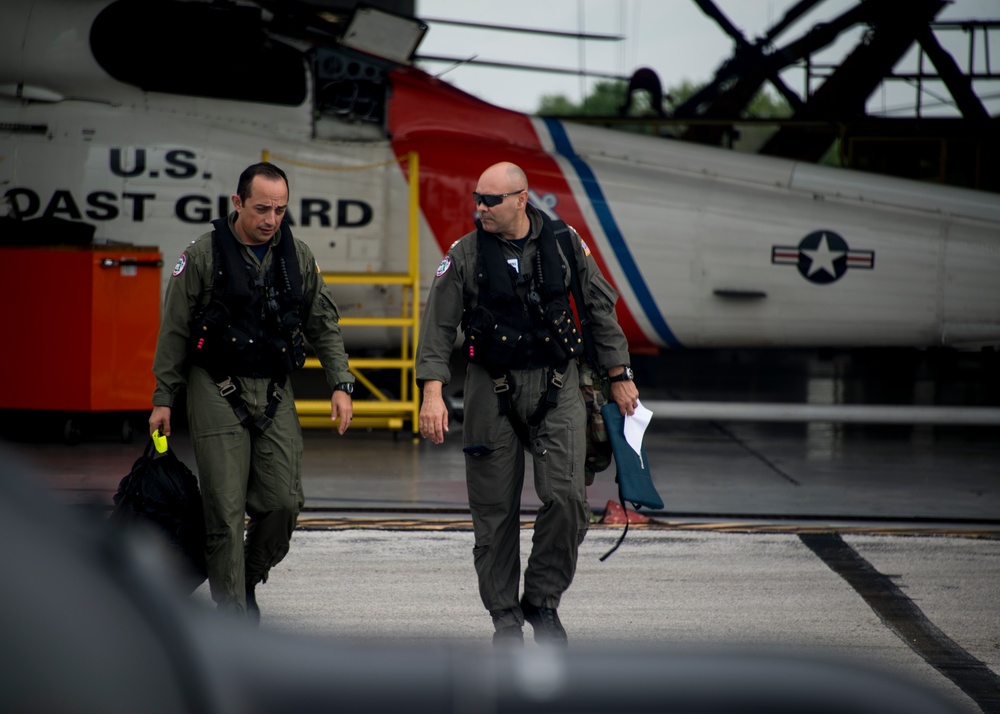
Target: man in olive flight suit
{"points": [[505, 267], [235, 312]]}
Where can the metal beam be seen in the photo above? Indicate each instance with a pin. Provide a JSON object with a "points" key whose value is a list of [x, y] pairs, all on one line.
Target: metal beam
{"points": [[793, 14], [513, 65], [844, 93], [815, 39], [524, 30], [752, 65], [958, 84]]}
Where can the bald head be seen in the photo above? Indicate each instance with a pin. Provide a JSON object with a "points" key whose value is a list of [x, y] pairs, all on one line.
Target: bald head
{"points": [[507, 217], [505, 174]]}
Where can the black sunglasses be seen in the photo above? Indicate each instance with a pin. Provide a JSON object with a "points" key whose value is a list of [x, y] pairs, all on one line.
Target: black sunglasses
{"points": [[493, 199]]}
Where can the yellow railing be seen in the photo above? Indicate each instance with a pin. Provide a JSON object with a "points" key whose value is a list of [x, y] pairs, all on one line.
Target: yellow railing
{"points": [[381, 412]]}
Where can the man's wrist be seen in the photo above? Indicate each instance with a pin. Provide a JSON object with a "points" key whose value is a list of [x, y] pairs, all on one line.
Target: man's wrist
{"points": [[620, 375]]}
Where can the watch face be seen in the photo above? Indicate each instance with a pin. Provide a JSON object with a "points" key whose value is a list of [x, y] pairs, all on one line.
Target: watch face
{"points": [[346, 387]]}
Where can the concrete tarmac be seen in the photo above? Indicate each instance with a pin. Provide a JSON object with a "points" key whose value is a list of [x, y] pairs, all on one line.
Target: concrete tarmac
{"points": [[877, 543], [670, 589], [764, 533]]}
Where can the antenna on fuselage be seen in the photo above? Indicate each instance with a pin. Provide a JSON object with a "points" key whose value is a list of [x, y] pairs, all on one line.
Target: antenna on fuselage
{"points": [[457, 63]]}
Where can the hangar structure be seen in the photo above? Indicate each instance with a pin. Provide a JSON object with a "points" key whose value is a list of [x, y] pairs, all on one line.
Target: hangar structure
{"points": [[960, 151], [829, 117]]}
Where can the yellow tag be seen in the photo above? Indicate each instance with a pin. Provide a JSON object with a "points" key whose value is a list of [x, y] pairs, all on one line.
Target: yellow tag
{"points": [[159, 442]]}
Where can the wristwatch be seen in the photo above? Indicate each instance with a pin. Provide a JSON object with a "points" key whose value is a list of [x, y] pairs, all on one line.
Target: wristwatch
{"points": [[625, 376], [345, 387]]}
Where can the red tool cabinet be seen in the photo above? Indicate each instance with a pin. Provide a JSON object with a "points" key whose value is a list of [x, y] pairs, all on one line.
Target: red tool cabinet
{"points": [[79, 327]]}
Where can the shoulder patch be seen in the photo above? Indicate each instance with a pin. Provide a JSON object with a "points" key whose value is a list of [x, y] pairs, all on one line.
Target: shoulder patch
{"points": [[318, 271], [586, 250], [443, 268], [181, 264]]}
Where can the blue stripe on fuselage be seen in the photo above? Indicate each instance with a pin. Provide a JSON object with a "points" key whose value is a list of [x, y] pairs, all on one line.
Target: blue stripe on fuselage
{"points": [[610, 226]]}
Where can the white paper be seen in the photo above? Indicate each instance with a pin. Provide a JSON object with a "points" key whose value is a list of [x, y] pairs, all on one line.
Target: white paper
{"points": [[635, 427]]}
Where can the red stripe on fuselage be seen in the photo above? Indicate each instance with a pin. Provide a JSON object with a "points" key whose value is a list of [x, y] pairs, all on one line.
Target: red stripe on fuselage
{"points": [[457, 137]]}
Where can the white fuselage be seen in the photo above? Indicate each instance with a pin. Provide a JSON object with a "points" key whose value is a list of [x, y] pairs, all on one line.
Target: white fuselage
{"points": [[708, 248]]}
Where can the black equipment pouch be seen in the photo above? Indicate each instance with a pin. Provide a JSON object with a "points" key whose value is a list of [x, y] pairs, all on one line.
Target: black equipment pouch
{"points": [[502, 345], [288, 351], [478, 334], [206, 332], [292, 326], [559, 318], [236, 339], [596, 392], [213, 339], [282, 355], [550, 344]]}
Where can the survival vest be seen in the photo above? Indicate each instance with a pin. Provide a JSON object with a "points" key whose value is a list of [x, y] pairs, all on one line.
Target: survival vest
{"points": [[504, 331], [252, 324]]}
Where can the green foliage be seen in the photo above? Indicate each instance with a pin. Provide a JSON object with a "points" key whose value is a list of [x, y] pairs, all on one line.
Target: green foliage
{"points": [[767, 105], [682, 92], [832, 156], [609, 95], [558, 105]]}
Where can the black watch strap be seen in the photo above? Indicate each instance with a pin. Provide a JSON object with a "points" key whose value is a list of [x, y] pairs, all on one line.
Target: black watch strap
{"points": [[345, 387], [625, 376]]}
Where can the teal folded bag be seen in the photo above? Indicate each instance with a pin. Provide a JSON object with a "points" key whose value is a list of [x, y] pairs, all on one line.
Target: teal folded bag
{"points": [[635, 484]]}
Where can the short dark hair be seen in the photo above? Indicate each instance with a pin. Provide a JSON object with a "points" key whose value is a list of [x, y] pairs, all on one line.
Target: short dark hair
{"points": [[265, 169]]}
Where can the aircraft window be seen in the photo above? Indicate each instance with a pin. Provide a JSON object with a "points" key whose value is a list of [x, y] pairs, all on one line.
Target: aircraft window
{"points": [[199, 49], [349, 86]]}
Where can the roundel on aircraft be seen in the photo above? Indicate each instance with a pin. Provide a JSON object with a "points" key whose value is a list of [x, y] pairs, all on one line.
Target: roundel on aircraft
{"points": [[823, 257]]}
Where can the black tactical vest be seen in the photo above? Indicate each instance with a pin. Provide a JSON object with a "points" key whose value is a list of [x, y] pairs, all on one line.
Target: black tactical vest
{"points": [[252, 325], [522, 320]]}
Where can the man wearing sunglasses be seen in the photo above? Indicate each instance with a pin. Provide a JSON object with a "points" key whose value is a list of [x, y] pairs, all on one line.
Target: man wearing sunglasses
{"points": [[507, 285]]}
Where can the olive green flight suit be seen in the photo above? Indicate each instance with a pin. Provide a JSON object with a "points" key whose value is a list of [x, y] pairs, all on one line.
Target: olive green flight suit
{"points": [[495, 458], [241, 473]]}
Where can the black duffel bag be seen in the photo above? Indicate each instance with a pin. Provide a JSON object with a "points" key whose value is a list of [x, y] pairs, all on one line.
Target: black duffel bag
{"points": [[161, 492]]}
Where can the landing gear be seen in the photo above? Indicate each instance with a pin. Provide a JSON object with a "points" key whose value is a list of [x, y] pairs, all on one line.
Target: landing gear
{"points": [[75, 427], [128, 431], [71, 433]]}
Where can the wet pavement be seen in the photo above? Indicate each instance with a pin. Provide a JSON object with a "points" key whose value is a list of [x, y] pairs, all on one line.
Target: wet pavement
{"points": [[703, 469], [734, 471]]}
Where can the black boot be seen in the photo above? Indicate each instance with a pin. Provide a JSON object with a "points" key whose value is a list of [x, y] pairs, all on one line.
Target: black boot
{"points": [[511, 636], [253, 611], [545, 622]]}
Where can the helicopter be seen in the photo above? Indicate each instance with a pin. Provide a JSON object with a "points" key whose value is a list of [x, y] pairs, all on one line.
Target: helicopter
{"points": [[139, 128]]}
